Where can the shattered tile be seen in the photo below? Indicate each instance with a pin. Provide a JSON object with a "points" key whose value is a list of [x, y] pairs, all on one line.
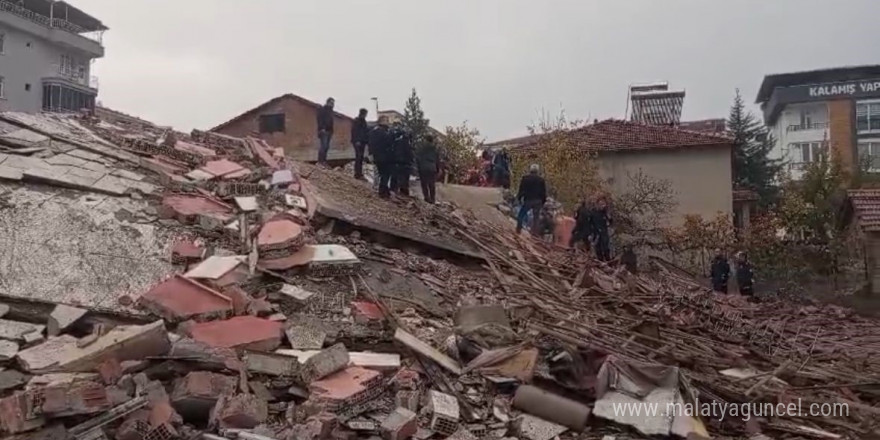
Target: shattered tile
{"points": [[244, 332], [178, 299]]}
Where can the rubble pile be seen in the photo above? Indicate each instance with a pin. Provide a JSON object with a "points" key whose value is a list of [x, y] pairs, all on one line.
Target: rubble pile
{"points": [[284, 320]]}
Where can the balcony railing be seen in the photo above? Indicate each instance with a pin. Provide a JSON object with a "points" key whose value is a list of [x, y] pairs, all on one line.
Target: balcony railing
{"points": [[805, 127], [57, 23]]}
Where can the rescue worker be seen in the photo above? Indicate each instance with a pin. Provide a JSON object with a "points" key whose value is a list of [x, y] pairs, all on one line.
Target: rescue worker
{"points": [[325, 130], [381, 147], [403, 156], [720, 272], [583, 231], [360, 137], [600, 221], [745, 277], [428, 165], [532, 195]]}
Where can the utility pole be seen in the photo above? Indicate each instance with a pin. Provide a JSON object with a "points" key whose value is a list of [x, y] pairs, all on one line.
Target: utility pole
{"points": [[376, 100]]}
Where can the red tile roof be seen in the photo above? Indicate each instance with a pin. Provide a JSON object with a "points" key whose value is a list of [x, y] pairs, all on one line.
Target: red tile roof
{"points": [[615, 135], [866, 204], [256, 109]]}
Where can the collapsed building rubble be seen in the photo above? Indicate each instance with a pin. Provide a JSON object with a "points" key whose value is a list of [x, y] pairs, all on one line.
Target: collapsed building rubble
{"points": [[292, 303]]}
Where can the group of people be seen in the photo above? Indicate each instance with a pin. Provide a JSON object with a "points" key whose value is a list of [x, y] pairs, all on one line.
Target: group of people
{"points": [[592, 223], [392, 149], [720, 273]]}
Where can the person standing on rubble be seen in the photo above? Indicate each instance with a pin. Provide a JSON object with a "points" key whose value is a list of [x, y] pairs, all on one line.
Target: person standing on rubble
{"points": [[428, 163], [360, 137], [532, 196], [745, 276], [402, 147], [325, 130], [583, 230], [720, 271], [600, 221], [501, 169], [381, 146]]}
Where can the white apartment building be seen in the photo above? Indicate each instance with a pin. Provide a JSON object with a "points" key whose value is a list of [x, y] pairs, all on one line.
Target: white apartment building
{"points": [[830, 110], [46, 51]]}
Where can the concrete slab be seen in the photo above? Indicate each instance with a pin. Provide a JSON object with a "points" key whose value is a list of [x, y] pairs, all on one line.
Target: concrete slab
{"points": [[215, 267], [375, 361], [247, 204], [125, 174], [10, 173], [93, 176], [63, 317], [241, 332], [271, 364], [111, 185], [122, 343], [65, 159], [42, 357], [305, 337]]}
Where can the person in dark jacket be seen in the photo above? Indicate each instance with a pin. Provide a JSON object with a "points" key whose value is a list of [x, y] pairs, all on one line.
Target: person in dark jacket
{"points": [[583, 230], [720, 272], [325, 130], [600, 221], [532, 195], [360, 137], [745, 276], [629, 259], [381, 146], [403, 159], [428, 164], [501, 169]]}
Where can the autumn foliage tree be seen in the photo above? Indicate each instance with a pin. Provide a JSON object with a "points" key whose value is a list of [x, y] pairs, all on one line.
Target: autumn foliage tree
{"points": [[571, 172], [460, 147]]}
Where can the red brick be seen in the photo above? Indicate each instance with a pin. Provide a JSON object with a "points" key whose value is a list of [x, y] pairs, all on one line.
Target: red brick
{"points": [[179, 298], [349, 387], [241, 332], [365, 312], [400, 425], [280, 233]]}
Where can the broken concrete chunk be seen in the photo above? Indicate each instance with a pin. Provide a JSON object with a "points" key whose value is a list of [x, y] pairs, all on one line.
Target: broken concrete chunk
{"points": [[8, 350], [306, 337], [407, 339], [197, 393], [10, 379], [271, 364], [215, 267], [296, 293], [123, 343], [243, 411], [347, 388], [534, 428], [375, 361], [247, 204], [325, 363], [15, 330], [63, 317], [401, 424]]}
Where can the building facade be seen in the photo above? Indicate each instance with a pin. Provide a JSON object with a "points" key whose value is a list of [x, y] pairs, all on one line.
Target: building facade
{"points": [[290, 121], [831, 111], [46, 51], [697, 166]]}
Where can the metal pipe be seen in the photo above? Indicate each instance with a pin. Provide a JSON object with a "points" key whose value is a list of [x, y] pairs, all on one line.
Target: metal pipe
{"points": [[551, 407]]}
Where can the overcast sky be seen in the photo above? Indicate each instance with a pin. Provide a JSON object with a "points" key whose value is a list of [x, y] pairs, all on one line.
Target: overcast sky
{"points": [[494, 63]]}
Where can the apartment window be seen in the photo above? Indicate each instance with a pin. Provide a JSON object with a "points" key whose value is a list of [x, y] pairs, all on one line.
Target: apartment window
{"points": [[806, 152], [2, 43], [869, 154], [66, 65], [868, 116], [272, 123], [27, 87]]}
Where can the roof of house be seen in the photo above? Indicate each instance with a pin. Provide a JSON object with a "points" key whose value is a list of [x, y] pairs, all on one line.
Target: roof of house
{"points": [[74, 15], [866, 205], [274, 101], [514, 141], [848, 73], [616, 135]]}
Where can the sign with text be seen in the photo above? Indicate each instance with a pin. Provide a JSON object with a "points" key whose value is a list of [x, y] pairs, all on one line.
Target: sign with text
{"points": [[858, 89]]}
